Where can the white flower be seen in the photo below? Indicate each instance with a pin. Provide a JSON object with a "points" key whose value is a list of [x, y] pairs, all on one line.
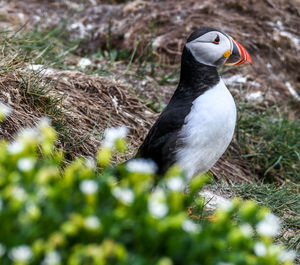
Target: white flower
{"points": [[157, 204], [52, 258], [189, 226], [88, 186], [21, 253], [90, 162], [157, 209], [246, 230], [286, 255], [260, 249], [28, 133], [2, 250], [42, 193], [175, 183], [112, 134], [125, 195], [32, 210], [25, 164], [92, 222], [44, 122], [141, 165], [19, 193], [84, 62], [269, 226], [5, 110], [15, 147]]}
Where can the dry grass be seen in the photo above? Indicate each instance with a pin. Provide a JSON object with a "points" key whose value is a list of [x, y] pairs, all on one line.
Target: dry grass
{"points": [[82, 107]]}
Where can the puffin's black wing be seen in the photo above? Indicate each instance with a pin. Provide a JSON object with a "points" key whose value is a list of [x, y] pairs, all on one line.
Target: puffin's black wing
{"points": [[163, 139]]}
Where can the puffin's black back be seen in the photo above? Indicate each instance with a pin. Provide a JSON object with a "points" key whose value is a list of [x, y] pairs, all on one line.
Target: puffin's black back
{"points": [[164, 139]]}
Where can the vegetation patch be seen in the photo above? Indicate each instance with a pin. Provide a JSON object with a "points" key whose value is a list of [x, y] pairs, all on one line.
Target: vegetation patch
{"points": [[282, 200], [269, 140], [79, 215]]}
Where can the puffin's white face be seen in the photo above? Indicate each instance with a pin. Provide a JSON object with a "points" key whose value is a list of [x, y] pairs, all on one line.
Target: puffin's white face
{"points": [[212, 48]]}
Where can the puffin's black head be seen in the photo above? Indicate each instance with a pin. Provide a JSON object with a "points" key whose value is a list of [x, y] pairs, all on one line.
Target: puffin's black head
{"points": [[213, 47]]}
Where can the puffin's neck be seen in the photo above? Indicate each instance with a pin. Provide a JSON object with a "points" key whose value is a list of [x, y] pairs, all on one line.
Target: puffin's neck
{"points": [[195, 77]]}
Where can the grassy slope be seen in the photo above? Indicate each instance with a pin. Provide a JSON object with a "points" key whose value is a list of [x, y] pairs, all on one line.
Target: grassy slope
{"points": [[267, 138]]}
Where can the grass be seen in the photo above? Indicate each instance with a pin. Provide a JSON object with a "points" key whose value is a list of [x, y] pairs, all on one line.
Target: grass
{"points": [[21, 49], [36, 93], [282, 200], [46, 47], [270, 141]]}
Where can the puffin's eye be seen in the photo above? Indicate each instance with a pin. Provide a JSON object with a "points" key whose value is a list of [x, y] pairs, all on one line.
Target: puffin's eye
{"points": [[217, 40]]}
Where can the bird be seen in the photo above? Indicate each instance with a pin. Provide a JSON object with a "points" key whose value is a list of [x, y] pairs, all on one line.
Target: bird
{"points": [[198, 124]]}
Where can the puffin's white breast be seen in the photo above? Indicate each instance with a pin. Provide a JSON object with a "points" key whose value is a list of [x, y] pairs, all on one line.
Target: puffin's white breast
{"points": [[207, 131]]}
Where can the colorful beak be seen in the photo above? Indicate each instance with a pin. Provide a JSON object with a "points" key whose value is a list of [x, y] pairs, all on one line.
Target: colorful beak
{"points": [[239, 55]]}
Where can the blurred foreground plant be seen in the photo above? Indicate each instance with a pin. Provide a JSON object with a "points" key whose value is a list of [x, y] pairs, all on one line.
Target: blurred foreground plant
{"points": [[52, 215]]}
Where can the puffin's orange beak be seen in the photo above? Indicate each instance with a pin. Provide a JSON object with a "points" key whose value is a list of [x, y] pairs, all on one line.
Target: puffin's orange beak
{"points": [[239, 55]]}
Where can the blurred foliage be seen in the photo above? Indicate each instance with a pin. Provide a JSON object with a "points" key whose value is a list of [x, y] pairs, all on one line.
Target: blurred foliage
{"points": [[283, 201], [78, 214]]}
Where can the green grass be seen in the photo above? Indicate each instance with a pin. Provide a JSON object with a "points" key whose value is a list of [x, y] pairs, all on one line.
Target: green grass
{"points": [[49, 48], [270, 141], [19, 50], [35, 93], [282, 200]]}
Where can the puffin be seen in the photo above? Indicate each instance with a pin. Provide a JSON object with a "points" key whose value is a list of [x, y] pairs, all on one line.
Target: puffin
{"points": [[198, 124]]}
